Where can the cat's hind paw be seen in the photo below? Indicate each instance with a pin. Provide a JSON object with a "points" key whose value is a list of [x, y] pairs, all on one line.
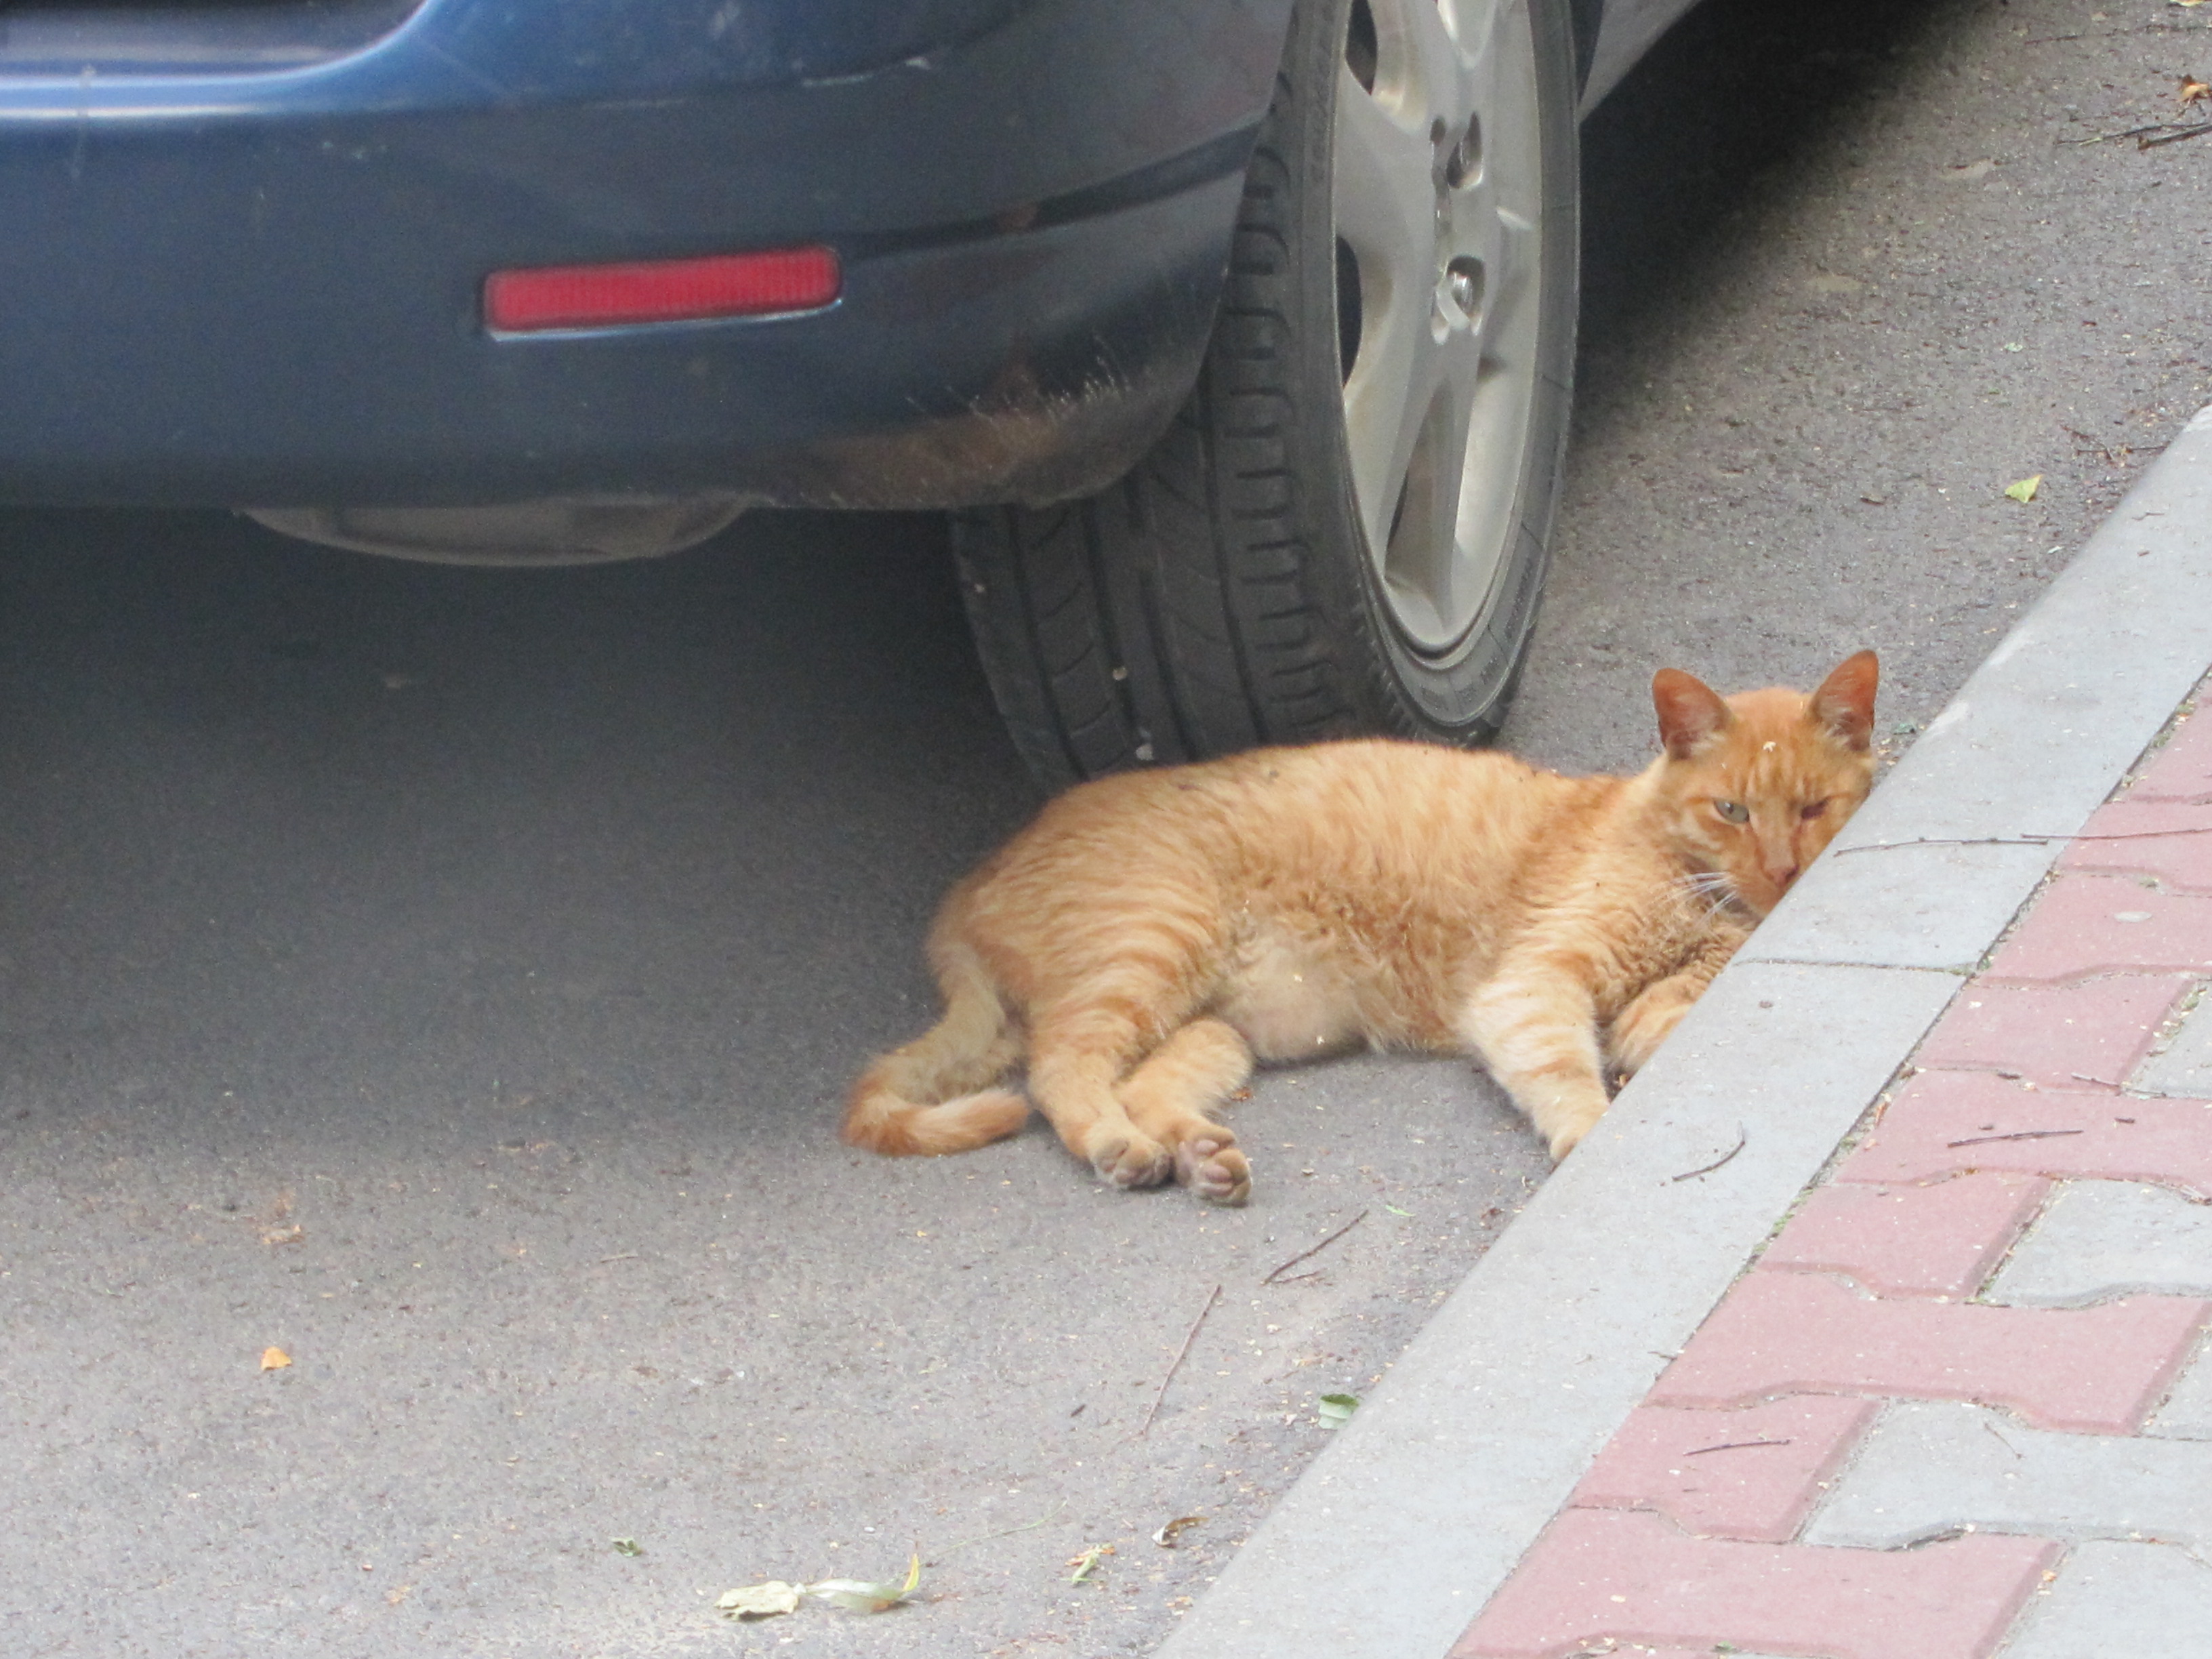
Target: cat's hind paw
{"points": [[1215, 1170], [1131, 1160]]}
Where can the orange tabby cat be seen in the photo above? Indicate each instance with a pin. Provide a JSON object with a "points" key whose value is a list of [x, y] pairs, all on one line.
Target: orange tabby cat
{"points": [[1152, 933]]}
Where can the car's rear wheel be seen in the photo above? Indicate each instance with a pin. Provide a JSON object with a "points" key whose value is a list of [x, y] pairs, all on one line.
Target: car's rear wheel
{"points": [[1344, 529]]}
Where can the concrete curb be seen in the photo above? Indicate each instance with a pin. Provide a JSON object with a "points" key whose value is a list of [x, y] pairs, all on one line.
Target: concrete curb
{"points": [[1404, 1527]]}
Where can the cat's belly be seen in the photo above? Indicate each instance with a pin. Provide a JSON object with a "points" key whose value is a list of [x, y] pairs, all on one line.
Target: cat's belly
{"points": [[1289, 1002]]}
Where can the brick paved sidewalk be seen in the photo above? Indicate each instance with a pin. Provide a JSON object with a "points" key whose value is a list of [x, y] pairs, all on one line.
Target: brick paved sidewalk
{"points": [[1960, 1405]]}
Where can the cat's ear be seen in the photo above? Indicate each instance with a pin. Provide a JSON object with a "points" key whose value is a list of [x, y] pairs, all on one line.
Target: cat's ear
{"points": [[1844, 703], [1690, 711]]}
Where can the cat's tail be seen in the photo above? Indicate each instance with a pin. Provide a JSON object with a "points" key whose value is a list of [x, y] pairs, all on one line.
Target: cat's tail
{"points": [[933, 1095]]}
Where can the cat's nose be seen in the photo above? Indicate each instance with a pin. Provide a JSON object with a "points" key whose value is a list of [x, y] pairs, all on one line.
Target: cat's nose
{"points": [[1782, 874]]}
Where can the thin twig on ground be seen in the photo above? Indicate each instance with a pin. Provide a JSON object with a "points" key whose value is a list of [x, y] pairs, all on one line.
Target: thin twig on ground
{"points": [[1005, 1532], [1304, 1255], [2118, 460], [1743, 1139], [2111, 137], [2197, 130], [2147, 136], [1736, 1445], [1189, 1337], [2021, 841], [2017, 1134]]}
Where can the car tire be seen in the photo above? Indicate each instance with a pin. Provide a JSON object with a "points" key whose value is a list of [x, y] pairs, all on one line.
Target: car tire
{"points": [[1401, 297]]}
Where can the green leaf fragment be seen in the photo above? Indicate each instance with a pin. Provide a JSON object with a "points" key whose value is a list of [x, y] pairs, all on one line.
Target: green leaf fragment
{"points": [[1336, 1409], [2026, 488], [625, 1546], [857, 1596]]}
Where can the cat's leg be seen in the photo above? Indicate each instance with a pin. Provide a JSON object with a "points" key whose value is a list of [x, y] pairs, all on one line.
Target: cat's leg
{"points": [[1169, 1093], [1652, 1015], [1649, 1020], [1078, 1055], [1534, 1025]]}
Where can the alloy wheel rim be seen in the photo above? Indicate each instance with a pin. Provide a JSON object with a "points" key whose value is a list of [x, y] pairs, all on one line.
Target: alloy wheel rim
{"points": [[1436, 176]]}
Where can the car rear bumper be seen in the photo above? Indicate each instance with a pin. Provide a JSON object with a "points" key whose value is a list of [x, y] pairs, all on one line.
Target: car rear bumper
{"points": [[248, 286]]}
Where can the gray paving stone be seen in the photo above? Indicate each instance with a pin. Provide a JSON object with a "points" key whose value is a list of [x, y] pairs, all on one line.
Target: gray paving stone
{"points": [[2100, 1238], [1931, 1467], [2187, 1413], [2118, 1601], [2184, 1068], [1918, 907]]}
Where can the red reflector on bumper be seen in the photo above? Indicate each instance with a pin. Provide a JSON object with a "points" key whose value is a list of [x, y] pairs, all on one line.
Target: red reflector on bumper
{"points": [[662, 290]]}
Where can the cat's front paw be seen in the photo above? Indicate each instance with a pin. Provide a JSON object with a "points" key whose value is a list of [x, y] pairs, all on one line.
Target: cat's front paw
{"points": [[1564, 1136], [1643, 1026], [1215, 1170], [1130, 1160]]}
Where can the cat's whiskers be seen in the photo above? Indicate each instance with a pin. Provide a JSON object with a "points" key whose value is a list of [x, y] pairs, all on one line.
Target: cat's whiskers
{"points": [[1716, 887]]}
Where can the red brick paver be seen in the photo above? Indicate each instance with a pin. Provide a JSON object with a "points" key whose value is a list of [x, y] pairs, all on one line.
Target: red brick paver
{"points": [[1600, 1574], [2059, 1037], [1751, 1474], [2096, 1370], [2182, 770], [1946, 1121], [2170, 840], [1938, 1240], [2084, 924]]}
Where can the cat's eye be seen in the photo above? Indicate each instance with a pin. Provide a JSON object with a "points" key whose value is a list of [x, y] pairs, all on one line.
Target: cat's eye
{"points": [[1814, 810], [1733, 811]]}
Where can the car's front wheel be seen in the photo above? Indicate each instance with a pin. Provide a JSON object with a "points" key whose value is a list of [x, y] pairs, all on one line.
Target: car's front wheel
{"points": [[1344, 529]]}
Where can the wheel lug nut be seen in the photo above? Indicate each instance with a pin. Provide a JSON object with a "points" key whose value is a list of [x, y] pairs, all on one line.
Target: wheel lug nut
{"points": [[1463, 282], [1465, 161]]}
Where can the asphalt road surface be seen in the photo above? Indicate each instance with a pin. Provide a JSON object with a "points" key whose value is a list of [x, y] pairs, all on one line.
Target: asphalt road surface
{"points": [[448, 978]]}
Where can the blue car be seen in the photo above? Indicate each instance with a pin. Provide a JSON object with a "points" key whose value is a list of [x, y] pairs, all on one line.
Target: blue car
{"points": [[1238, 334]]}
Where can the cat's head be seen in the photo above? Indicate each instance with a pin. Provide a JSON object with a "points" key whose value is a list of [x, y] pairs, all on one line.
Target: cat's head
{"points": [[1754, 785]]}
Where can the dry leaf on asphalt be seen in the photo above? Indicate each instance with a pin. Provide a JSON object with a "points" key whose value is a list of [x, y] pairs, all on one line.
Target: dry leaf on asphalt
{"points": [[759, 1601], [1166, 1536], [291, 1235], [2026, 488], [2194, 91], [857, 1596], [853, 1595], [275, 1359]]}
